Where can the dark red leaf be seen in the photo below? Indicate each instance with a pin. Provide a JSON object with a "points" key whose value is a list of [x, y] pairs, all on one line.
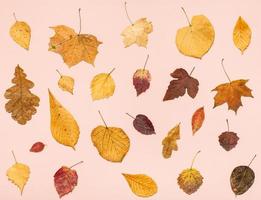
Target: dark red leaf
{"points": [[142, 124], [37, 147], [228, 140], [141, 80]]}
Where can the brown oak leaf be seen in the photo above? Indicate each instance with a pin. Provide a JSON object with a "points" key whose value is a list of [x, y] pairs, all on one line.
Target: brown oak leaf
{"points": [[182, 82]]}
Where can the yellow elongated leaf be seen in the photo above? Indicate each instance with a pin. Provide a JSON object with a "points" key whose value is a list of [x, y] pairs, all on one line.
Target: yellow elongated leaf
{"points": [[112, 143], [18, 174], [242, 34], [21, 34], [102, 86], [141, 184], [64, 127], [66, 83]]}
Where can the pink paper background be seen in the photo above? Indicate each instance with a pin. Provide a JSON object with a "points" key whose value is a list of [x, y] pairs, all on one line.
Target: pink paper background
{"points": [[98, 178]]}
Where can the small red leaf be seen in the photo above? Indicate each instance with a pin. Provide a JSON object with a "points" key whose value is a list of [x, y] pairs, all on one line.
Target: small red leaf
{"points": [[228, 140], [197, 119], [142, 124], [37, 147], [141, 80]]}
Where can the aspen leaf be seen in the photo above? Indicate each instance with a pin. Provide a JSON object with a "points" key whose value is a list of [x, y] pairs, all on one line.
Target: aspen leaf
{"points": [[64, 127], [21, 102], [242, 34], [196, 39], [37, 147], [73, 47], [141, 184], [170, 141], [66, 83], [21, 33], [197, 119], [102, 86]]}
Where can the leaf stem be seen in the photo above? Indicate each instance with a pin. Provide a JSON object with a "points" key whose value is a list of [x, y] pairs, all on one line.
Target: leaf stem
{"points": [[80, 21], [76, 164], [194, 159], [111, 71], [222, 63], [146, 61], [252, 160], [130, 115], [126, 11], [184, 11], [227, 125], [58, 72], [14, 156], [103, 119], [192, 71], [14, 16]]}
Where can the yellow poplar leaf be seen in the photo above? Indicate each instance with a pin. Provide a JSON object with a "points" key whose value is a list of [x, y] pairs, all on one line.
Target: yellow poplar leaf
{"points": [[66, 83], [74, 47], [190, 180], [18, 174], [141, 184], [64, 127], [196, 39], [137, 33], [112, 143], [170, 141], [102, 86], [241, 34], [21, 34]]}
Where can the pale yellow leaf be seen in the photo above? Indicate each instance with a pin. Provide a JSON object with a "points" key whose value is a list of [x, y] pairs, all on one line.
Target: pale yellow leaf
{"points": [[66, 83], [112, 143], [242, 34], [137, 33], [21, 34], [196, 39], [64, 127], [18, 174], [102, 86], [141, 184]]}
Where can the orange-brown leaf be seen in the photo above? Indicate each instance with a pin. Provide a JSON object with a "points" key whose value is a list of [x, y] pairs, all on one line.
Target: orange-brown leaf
{"points": [[197, 119]]}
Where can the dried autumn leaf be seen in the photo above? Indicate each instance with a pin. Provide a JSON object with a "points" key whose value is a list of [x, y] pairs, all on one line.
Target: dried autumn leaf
{"points": [[21, 33], [21, 102], [37, 147], [66, 83], [182, 82], [241, 179], [143, 124], [231, 94], [64, 127], [242, 34], [141, 184], [197, 119], [196, 39], [74, 47], [170, 141], [102, 86], [137, 33], [228, 140], [141, 80]]}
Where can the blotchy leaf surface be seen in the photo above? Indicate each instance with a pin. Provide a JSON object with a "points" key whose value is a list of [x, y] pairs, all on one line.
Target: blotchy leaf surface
{"points": [[21, 34], [141, 80], [228, 140], [142, 124]]}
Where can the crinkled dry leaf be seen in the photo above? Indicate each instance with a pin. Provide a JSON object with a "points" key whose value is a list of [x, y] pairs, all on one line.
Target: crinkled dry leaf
{"points": [[242, 34], [73, 47], [182, 82], [196, 39], [66, 83], [102, 86], [137, 33], [21, 102], [231, 94], [64, 127], [112, 143], [65, 179], [141, 80], [141, 184], [197, 119], [170, 141], [18, 174], [190, 180], [21, 34], [228, 140], [37, 147]]}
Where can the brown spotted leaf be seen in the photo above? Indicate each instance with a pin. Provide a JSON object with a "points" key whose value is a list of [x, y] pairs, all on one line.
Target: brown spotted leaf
{"points": [[37, 147], [141, 80], [182, 82], [228, 140], [142, 124]]}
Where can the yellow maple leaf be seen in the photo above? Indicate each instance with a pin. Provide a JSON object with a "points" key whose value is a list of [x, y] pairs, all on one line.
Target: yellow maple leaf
{"points": [[64, 127], [241, 34], [196, 39], [170, 141], [21, 33], [137, 33], [102, 86], [66, 83], [141, 184], [73, 47], [231, 94]]}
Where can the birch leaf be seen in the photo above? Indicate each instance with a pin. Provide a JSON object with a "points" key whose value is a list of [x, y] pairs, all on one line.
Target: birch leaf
{"points": [[141, 184], [64, 127], [66, 83], [242, 34]]}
